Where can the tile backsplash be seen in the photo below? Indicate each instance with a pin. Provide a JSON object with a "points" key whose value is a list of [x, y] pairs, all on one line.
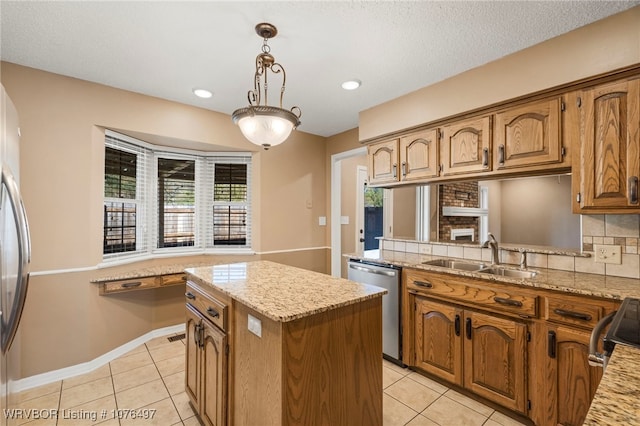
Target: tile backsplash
{"points": [[622, 230]]}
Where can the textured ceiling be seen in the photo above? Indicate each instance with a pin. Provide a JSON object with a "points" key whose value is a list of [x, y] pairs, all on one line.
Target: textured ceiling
{"points": [[165, 49]]}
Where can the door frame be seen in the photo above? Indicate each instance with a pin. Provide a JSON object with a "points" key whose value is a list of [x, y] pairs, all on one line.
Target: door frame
{"points": [[336, 206]]}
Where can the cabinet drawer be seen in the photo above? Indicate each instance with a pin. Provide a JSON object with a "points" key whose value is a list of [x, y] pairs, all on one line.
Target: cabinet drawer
{"points": [[496, 299], [210, 307], [174, 279], [129, 285], [573, 313]]}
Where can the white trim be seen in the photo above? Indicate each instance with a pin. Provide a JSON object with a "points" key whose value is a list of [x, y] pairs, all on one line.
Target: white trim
{"points": [[464, 211], [63, 271], [461, 232], [86, 367], [336, 193], [294, 250], [119, 262], [360, 184]]}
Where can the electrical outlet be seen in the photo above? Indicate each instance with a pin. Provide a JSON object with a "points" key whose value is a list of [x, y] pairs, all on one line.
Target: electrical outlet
{"points": [[608, 254], [424, 249], [254, 325]]}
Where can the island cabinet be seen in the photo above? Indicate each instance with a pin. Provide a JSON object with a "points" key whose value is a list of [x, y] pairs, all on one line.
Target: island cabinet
{"points": [[482, 352], [413, 156], [206, 371], [269, 344], [607, 165]]}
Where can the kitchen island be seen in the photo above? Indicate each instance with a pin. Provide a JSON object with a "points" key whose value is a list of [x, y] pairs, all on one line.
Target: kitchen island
{"points": [[272, 344]]}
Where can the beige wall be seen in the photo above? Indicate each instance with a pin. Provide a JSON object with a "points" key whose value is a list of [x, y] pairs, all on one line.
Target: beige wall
{"points": [[603, 46], [62, 164]]}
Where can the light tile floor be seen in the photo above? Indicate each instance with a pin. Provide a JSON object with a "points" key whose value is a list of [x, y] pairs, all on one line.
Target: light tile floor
{"points": [[151, 377]]}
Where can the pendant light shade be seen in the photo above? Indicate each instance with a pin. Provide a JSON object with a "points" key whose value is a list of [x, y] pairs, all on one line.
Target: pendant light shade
{"points": [[266, 125]]}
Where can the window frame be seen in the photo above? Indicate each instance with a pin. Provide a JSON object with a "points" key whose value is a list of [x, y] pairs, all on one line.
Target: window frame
{"points": [[147, 199]]}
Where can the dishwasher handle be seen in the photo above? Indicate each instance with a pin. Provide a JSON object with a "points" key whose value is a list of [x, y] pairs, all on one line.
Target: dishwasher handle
{"points": [[385, 272], [597, 359]]}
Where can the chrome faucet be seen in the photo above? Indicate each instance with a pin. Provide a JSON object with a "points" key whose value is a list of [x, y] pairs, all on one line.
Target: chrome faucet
{"points": [[495, 253]]}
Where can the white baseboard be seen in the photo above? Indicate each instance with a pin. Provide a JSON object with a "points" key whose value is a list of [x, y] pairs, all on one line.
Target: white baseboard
{"points": [[86, 367]]}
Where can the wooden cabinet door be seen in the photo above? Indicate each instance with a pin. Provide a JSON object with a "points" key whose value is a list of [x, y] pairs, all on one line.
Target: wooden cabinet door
{"points": [[419, 155], [466, 146], [572, 380], [192, 367], [495, 359], [438, 344], [610, 148], [528, 135], [383, 162], [213, 367]]}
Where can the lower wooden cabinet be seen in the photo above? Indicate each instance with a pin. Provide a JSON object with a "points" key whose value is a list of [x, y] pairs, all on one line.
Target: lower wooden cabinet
{"points": [[530, 357], [206, 368], [481, 352], [569, 379]]}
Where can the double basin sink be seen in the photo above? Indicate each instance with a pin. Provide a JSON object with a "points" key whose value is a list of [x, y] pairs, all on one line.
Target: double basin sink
{"points": [[481, 268]]}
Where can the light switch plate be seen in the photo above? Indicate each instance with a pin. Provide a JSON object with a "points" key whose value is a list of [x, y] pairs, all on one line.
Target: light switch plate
{"points": [[322, 221], [344, 220], [254, 325], [608, 253]]}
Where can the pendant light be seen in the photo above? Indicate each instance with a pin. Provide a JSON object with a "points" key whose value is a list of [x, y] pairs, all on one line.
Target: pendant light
{"points": [[260, 123]]}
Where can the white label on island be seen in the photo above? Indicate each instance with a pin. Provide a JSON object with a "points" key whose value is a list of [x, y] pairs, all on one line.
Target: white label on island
{"points": [[254, 325]]}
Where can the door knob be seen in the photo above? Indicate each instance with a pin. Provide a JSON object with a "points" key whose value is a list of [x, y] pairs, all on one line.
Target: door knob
{"points": [[362, 240]]}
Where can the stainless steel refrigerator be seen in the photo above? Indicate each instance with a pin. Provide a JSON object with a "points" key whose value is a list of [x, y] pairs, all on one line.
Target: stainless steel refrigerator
{"points": [[15, 253]]}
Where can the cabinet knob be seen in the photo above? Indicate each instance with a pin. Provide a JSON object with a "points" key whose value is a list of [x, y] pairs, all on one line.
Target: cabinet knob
{"points": [[501, 155], [457, 324], [469, 328]]}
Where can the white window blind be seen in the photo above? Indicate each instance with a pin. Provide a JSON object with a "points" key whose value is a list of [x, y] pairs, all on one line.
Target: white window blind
{"points": [[230, 223], [125, 209], [160, 200]]}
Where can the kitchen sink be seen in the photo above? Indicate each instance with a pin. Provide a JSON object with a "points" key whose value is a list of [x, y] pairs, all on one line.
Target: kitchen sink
{"points": [[456, 264], [508, 272]]}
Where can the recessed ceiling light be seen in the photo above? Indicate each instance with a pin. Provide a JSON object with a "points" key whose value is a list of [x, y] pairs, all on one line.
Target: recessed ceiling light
{"points": [[351, 84], [202, 93]]}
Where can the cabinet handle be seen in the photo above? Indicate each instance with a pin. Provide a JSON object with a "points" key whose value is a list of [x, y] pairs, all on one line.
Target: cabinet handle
{"points": [[457, 324], [571, 314], [131, 284], [404, 168], [196, 334], [425, 284], [485, 158], [212, 312], [501, 155], [551, 344], [395, 170], [633, 190], [190, 295], [468, 328], [508, 302]]}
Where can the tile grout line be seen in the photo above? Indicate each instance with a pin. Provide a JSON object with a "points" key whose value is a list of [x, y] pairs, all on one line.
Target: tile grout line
{"points": [[165, 386], [113, 386]]}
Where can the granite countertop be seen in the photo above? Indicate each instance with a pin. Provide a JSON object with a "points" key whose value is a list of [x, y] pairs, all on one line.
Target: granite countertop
{"points": [[607, 287], [616, 401], [149, 271], [280, 292]]}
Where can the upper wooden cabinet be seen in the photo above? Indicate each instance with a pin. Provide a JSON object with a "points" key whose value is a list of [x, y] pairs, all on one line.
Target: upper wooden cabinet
{"points": [[608, 162], [419, 155], [412, 157], [528, 135], [383, 162], [466, 146]]}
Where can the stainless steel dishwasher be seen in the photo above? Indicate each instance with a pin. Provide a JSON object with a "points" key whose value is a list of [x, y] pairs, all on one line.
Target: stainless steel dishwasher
{"points": [[387, 277]]}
